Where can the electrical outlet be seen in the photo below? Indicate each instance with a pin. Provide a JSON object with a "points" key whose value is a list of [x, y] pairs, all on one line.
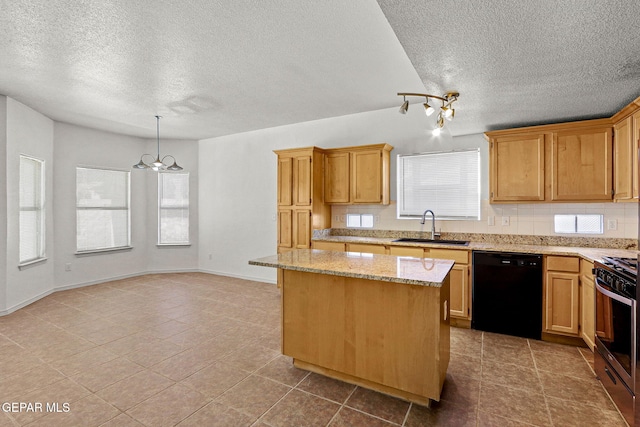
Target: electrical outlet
{"points": [[491, 220], [67, 267], [612, 224], [505, 220]]}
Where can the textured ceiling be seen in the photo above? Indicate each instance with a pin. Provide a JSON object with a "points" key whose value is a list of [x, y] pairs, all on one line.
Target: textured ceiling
{"points": [[523, 62], [216, 67]]}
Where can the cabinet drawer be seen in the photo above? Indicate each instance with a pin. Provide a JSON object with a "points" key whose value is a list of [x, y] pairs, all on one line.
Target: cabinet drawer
{"points": [[366, 248], [460, 257], [328, 246], [563, 263], [406, 251]]}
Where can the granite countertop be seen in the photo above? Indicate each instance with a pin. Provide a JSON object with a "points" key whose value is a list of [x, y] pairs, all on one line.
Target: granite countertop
{"points": [[590, 254], [386, 268]]}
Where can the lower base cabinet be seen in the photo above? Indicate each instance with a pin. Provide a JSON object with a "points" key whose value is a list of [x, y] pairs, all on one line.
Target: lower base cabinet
{"points": [[587, 303], [561, 313]]}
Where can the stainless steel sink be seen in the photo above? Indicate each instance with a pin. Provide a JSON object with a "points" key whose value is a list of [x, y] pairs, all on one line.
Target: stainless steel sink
{"points": [[438, 241]]}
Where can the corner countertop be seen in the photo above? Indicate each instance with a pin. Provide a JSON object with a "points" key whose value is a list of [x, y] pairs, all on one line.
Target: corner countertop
{"points": [[590, 254], [386, 268]]}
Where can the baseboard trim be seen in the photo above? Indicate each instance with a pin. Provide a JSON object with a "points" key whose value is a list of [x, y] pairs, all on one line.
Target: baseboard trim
{"points": [[238, 276]]}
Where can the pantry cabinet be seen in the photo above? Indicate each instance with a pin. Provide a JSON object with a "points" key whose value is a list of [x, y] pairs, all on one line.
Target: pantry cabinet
{"points": [[301, 208], [626, 133], [358, 175], [561, 296], [568, 162]]}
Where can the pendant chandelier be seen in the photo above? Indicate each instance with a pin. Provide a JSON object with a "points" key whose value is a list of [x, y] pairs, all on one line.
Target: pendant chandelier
{"points": [[445, 111], [157, 164]]}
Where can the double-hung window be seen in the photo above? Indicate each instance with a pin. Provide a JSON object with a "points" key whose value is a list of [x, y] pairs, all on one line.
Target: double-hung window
{"points": [[32, 224], [102, 209], [173, 208], [448, 183]]}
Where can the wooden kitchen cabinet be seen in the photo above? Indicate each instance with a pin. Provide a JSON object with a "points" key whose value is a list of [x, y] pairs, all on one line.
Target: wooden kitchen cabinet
{"points": [[328, 246], [581, 164], [411, 251], [552, 163], [587, 303], [301, 208], [623, 159], [358, 175], [561, 295], [517, 168], [336, 177]]}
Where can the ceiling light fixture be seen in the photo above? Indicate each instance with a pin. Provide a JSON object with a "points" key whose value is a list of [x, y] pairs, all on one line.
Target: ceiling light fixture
{"points": [[446, 110], [157, 164]]}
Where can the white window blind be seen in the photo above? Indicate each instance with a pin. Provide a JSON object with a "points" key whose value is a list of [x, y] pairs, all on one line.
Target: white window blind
{"points": [[448, 183], [102, 209], [173, 208], [32, 225]]}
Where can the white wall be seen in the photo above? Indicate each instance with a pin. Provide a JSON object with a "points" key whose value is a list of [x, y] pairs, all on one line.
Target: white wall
{"points": [[3, 202], [29, 133]]}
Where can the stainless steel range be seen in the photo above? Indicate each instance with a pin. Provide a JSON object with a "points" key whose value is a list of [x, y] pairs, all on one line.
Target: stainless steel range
{"points": [[616, 355]]}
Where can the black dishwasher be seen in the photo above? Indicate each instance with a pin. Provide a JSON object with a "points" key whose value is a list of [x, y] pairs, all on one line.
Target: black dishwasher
{"points": [[507, 293]]}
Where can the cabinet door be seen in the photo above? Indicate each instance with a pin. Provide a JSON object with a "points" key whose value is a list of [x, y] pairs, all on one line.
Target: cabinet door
{"points": [[459, 291], [587, 310], [302, 184], [635, 136], [581, 165], [624, 156], [328, 246], [366, 176], [285, 228], [562, 302], [517, 168], [336, 178], [302, 229], [285, 180]]}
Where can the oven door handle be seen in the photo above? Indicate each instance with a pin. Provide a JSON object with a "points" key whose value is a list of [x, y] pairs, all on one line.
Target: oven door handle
{"points": [[612, 295]]}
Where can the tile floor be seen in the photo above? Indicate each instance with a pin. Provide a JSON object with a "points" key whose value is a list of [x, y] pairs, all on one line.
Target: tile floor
{"points": [[201, 350]]}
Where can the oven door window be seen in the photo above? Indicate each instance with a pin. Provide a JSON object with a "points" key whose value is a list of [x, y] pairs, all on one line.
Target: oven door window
{"points": [[614, 324]]}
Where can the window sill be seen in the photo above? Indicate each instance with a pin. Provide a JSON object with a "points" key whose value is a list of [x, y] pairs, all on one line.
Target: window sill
{"points": [[170, 245], [101, 251], [27, 264]]}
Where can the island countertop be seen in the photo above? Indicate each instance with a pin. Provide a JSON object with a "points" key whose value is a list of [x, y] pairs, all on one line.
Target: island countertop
{"points": [[386, 268]]}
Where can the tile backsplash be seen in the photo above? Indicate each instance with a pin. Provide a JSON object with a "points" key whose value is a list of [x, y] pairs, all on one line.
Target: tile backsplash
{"points": [[620, 219]]}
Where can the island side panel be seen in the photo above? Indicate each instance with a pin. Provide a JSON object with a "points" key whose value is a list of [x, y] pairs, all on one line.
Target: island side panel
{"points": [[385, 333]]}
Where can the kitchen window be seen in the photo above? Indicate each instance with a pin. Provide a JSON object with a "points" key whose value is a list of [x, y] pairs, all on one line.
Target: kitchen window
{"points": [[448, 183], [32, 211], [173, 208], [102, 210]]}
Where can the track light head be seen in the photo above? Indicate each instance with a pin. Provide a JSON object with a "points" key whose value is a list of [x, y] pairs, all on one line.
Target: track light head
{"points": [[404, 107]]}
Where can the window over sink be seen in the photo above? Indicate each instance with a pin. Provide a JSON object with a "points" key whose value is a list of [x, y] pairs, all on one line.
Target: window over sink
{"points": [[448, 183]]}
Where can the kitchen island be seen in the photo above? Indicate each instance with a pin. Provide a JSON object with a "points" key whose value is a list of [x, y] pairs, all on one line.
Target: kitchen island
{"points": [[378, 321]]}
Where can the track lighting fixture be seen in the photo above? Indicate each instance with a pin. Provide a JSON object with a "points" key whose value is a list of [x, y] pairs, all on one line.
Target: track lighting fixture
{"points": [[446, 110], [157, 164]]}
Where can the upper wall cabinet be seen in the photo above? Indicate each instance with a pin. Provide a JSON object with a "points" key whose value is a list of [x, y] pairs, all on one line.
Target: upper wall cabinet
{"points": [[626, 132], [357, 175], [562, 162], [517, 168]]}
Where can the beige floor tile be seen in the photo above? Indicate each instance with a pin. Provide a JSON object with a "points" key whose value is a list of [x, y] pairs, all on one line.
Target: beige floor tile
{"points": [[90, 411], [14, 386], [564, 413], [101, 376], [461, 390], [378, 404], [215, 379], [281, 369], [515, 404], [83, 361], [218, 415], [301, 409], [130, 391], [168, 407], [254, 395], [328, 388], [348, 417], [441, 413], [584, 391], [520, 355], [566, 364], [250, 357], [511, 375]]}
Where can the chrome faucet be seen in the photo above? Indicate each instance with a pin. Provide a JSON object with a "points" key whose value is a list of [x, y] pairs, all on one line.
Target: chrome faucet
{"points": [[434, 236]]}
